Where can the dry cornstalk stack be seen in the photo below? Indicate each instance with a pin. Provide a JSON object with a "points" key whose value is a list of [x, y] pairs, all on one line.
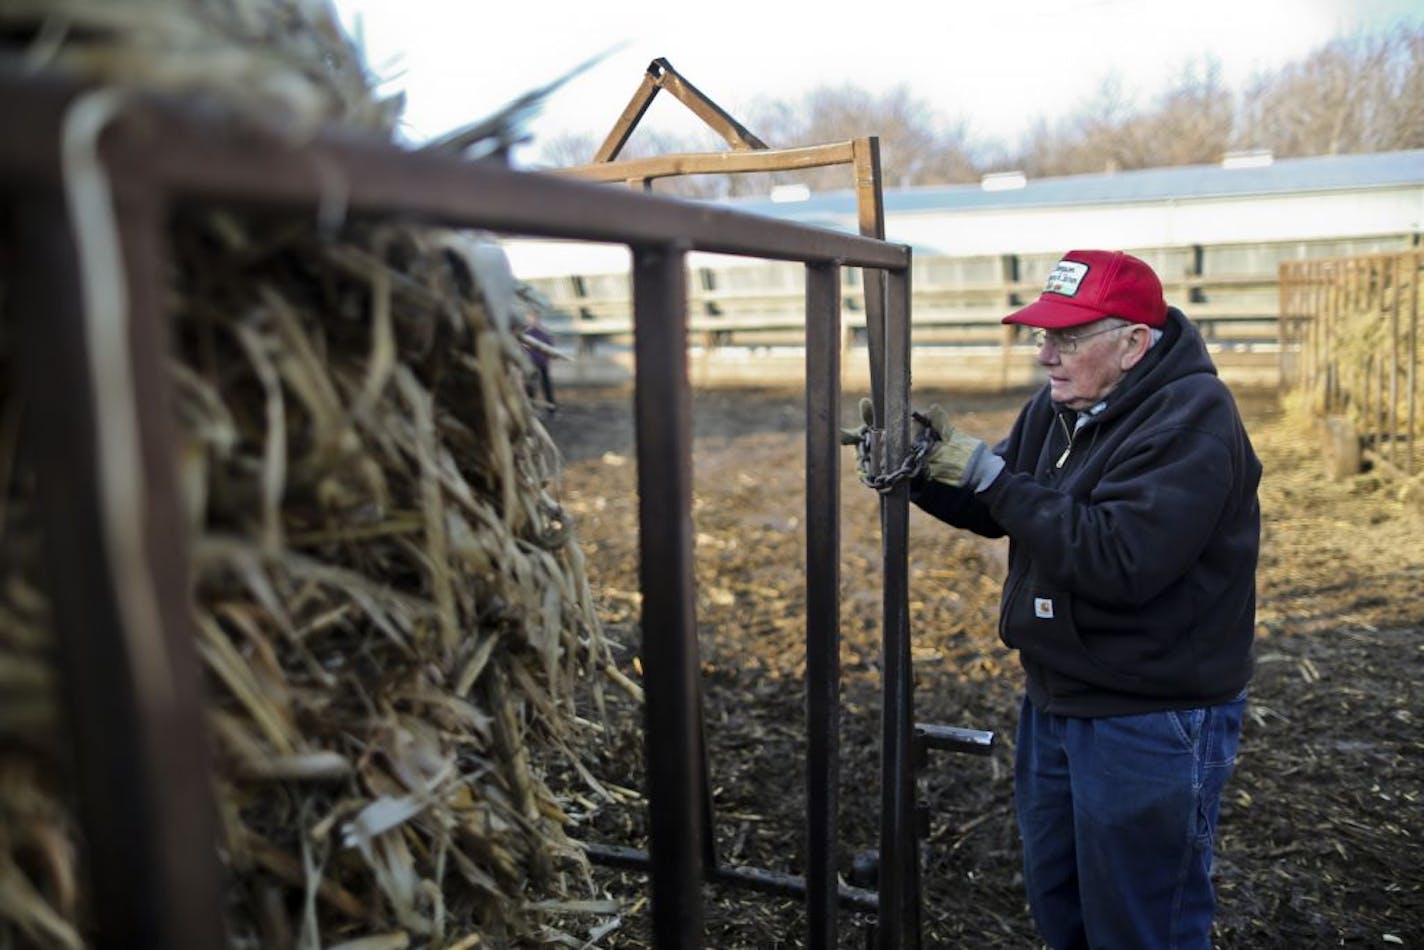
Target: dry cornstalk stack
{"points": [[389, 603], [1358, 353]]}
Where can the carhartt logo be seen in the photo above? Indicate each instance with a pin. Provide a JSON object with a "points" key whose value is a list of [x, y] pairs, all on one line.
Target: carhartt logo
{"points": [[1066, 277], [1043, 607]]}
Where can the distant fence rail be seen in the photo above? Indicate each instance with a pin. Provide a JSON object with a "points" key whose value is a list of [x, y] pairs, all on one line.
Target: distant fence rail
{"points": [[1350, 342], [959, 339], [959, 312]]}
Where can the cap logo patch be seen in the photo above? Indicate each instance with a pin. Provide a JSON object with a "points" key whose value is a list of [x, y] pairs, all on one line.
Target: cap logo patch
{"points": [[1066, 278], [1043, 608]]}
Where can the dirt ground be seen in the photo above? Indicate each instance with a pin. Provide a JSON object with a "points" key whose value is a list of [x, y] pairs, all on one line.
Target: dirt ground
{"points": [[1321, 826]]}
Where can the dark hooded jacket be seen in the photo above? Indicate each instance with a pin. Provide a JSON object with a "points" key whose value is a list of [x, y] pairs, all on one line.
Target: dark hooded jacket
{"points": [[1132, 540]]}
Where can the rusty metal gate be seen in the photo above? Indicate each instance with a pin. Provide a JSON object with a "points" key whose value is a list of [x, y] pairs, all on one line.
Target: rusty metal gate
{"points": [[1350, 341], [893, 869], [118, 565]]}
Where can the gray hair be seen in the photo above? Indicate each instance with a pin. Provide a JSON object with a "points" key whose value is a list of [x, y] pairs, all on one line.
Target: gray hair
{"points": [[1154, 333]]}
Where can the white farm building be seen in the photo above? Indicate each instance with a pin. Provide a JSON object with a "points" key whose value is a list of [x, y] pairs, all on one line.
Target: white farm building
{"points": [[1215, 233]]}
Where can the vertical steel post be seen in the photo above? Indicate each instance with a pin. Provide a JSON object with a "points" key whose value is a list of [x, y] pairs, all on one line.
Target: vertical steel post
{"points": [[662, 409], [1396, 275], [870, 211], [1374, 384], [98, 419], [1327, 336], [1416, 273], [1310, 331], [1364, 387], [1283, 308], [899, 920], [1330, 274], [1315, 329], [1374, 307], [823, 713], [1358, 378]]}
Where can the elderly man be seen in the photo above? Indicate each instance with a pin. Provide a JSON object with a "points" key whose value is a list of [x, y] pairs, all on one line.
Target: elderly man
{"points": [[1127, 489]]}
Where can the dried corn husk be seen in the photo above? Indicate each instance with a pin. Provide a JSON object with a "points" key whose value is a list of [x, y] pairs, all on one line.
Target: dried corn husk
{"points": [[388, 600]]}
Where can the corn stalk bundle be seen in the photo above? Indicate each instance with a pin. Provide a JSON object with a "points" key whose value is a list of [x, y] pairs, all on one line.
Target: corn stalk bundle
{"points": [[389, 603], [1371, 341]]}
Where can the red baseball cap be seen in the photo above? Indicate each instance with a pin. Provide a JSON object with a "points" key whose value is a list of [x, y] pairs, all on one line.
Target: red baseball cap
{"points": [[1089, 285]]}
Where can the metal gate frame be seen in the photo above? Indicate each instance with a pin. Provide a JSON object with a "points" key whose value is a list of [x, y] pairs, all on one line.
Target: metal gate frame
{"points": [[897, 900], [116, 564]]}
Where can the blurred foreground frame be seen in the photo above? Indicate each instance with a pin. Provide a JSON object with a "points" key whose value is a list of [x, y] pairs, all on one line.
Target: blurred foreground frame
{"points": [[96, 394]]}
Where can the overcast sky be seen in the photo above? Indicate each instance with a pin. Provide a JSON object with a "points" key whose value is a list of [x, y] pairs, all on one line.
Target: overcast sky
{"points": [[1000, 64]]}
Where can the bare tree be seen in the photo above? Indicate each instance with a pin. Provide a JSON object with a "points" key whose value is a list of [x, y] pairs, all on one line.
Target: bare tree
{"points": [[1087, 140], [1192, 121], [567, 149], [1358, 94], [1404, 107], [917, 145], [1364, 93], [1188, 123]]}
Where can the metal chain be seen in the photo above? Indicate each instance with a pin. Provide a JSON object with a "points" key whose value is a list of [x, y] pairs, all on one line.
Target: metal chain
{"points": [[911, 466]]}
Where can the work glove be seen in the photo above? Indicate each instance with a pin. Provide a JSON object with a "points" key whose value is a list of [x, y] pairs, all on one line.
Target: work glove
{"points": [[954, 458], [867, 418], [860, 438]]}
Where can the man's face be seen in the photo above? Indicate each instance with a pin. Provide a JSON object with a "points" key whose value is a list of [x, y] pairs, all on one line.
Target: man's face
{"points": [[1085, 363]]}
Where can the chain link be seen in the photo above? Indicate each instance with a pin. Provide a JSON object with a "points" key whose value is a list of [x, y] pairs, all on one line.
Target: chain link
{"points": [[909, 467]]}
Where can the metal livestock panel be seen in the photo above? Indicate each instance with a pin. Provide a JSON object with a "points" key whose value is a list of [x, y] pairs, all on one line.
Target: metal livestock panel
{"points": [[118, 563]]}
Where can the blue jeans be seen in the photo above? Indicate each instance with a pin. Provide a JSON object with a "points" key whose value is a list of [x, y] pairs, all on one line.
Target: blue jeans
{"points": [[1117, 817]]}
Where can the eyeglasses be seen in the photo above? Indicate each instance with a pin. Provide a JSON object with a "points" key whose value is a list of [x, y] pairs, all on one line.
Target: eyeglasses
{"points": [[1068, 343]]}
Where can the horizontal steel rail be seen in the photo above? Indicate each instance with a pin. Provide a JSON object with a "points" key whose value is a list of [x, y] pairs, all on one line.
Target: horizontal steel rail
{"points": [[768, 882], [185, 153], [153, 871], [716, 163]]}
